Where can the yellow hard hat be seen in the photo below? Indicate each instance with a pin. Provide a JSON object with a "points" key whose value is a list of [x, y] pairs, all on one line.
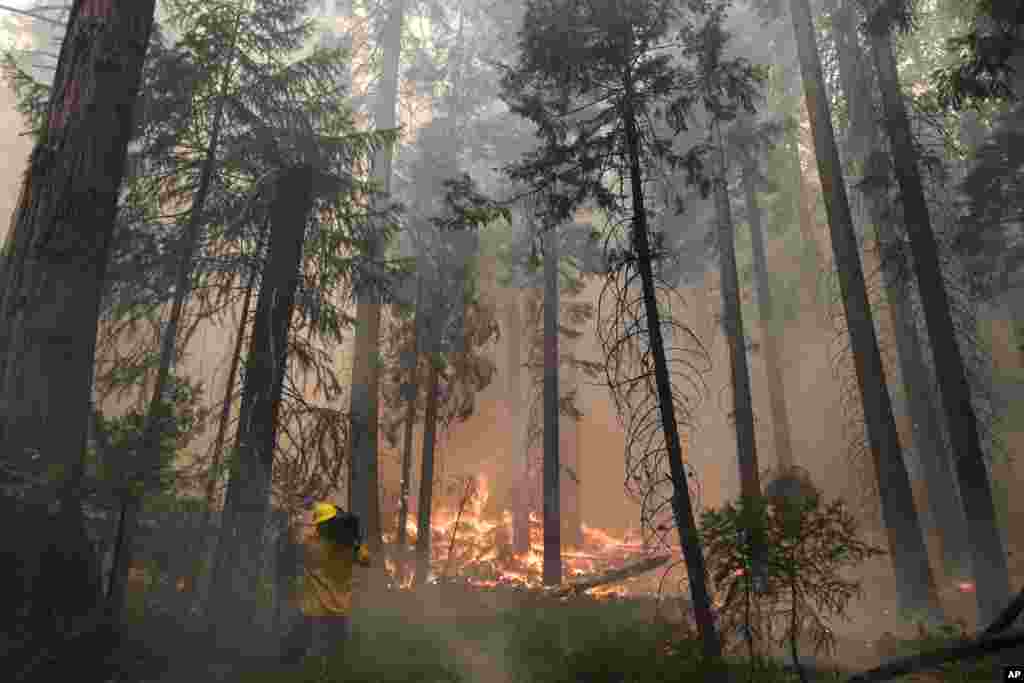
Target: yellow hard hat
{"points": [[323, 512]]}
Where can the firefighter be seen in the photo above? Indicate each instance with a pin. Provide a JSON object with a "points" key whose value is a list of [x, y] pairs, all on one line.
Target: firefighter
{"points": [[331, 545]]}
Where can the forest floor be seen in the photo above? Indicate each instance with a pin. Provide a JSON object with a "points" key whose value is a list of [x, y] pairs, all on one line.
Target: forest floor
{"points": [[462, 634], [467, 635]]}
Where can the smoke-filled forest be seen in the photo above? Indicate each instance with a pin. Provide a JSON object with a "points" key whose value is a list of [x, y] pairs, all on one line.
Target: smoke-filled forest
{"points": [[511, 341]]}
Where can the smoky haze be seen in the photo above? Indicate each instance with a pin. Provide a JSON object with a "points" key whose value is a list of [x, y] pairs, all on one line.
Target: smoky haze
{"points": [[818, 381]]}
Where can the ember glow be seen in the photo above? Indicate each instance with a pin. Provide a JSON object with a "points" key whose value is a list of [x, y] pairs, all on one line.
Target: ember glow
{"points": [[483, 552]]}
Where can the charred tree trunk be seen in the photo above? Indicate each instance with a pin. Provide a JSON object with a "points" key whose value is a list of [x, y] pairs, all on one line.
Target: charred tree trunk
{"points": [[55, 256], [552, 569], [770, 328], [423, 528], [906, 539], [682, 507], [991, 573], [266, 366]]}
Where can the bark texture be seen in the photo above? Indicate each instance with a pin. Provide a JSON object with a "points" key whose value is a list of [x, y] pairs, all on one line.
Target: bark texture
{"points": [[54, 265], [56, 252]]}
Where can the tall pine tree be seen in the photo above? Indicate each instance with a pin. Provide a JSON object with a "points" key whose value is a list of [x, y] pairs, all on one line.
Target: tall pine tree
{"points": [[589, 73]]}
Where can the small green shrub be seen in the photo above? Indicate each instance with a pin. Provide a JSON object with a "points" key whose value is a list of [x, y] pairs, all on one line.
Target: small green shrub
{"points": [[808, 545]]}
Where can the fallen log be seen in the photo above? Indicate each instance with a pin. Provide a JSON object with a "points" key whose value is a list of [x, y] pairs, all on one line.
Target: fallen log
{"points": [[613, 576], [965, 651], [1006, 617], [985, 643]]}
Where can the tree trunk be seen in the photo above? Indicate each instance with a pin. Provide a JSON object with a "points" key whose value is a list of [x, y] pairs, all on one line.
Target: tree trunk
{"points": [[808, 201], [906, 540], [363, 488], [865, 146], [266, 366], [160, 409], [855, 76], [410, 419], [520, 502], [732, 322], [423, 529], [944, 500], [991, 574], [770, 328], [569, 454], [929, 447], [213, 478], [682, 507], [56, 254], [814, 261], [552, 570]]}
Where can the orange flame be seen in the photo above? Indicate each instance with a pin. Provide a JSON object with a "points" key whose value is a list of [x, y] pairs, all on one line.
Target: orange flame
{"points": [[482, 553]]}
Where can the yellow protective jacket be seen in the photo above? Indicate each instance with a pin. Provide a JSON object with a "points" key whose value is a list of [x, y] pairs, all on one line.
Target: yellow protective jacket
{"points": [[326, 585]]}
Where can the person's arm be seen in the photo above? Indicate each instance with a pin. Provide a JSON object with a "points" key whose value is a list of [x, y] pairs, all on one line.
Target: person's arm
{"points": [[363, 555]]}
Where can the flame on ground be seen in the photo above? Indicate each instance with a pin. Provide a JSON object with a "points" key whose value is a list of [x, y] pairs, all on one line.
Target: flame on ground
{"points": [[483, 553]]}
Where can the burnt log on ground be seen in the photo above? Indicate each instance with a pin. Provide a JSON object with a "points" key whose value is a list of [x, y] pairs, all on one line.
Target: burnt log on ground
{"points": [[1007, 617], [998, 637], [613, 576], [965, 651]]}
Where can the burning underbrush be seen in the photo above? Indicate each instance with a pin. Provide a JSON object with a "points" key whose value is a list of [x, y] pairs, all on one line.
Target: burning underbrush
{"points": [[472, 543]]}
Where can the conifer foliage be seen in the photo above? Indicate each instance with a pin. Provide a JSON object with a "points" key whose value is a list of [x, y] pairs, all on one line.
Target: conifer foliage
{"points": [[591, 76]]}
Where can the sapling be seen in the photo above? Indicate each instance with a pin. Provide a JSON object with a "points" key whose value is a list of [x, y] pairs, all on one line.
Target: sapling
{"points": [[809, 544]]}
